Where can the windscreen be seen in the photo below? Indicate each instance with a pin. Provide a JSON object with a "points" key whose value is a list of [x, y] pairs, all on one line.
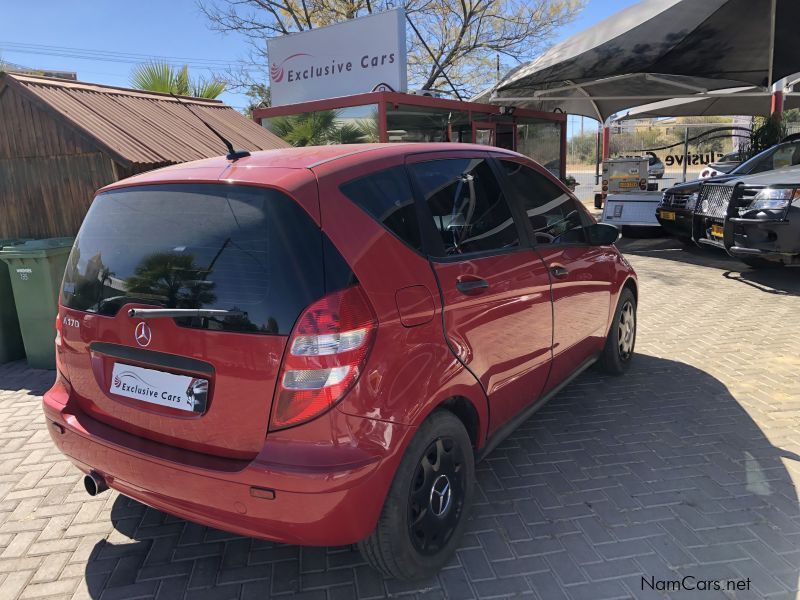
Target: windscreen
{"points": [[252, 251], [776, 157]]}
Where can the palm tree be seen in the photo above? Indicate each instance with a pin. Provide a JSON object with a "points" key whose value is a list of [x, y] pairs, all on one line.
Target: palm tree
{"points": [[168, 79], [370, 132], [316, 129], [306, 129], [346, 133]]}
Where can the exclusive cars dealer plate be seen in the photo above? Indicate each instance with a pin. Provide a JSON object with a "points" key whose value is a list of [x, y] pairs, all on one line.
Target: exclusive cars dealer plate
{"points": [[667, 215], [157, 387], [717, 230]]}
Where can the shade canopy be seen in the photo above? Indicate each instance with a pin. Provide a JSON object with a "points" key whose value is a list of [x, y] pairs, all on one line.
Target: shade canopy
{"points": [[604, 97], [748, 101], [658, 50]]}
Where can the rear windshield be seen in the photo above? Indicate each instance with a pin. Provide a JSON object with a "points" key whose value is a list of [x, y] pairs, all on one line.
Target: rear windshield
{"points": [[248, 250]]}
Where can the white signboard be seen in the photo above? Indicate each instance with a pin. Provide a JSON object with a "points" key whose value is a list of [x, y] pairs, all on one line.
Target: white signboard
{"points": [[352, 57], [158, 387]]}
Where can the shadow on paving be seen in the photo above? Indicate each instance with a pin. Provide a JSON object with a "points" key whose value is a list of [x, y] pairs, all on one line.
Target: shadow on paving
{"points": [[18, 376], [667, 248], [659, 473], [776, 281]]}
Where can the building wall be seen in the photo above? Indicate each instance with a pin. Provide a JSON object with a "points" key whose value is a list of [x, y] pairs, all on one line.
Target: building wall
{"points": [[48, 171]]}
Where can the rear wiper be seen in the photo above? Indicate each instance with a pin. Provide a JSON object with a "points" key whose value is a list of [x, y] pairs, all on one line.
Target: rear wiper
{"points": [[160, 313], [116, 302]]}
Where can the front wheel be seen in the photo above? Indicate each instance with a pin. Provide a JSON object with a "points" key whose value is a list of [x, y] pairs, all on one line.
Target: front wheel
{"points": [[424, 514], [618, 351]]}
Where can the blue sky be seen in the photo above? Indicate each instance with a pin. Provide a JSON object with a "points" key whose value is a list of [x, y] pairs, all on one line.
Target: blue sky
{"points": [[172, 28]]}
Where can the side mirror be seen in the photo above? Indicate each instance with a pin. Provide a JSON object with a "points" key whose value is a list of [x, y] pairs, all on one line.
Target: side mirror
{"points": [[602, 234]]}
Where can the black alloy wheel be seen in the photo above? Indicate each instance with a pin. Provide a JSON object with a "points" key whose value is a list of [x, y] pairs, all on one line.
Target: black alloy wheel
{"points": [[425, 512], [436, 497]]}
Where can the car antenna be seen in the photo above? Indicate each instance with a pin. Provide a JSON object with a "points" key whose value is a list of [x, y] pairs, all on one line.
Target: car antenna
{"points": [[232, 154]]}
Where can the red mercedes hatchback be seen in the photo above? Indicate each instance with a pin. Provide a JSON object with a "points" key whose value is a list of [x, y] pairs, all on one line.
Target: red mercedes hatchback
{"points": [[315, 345]]}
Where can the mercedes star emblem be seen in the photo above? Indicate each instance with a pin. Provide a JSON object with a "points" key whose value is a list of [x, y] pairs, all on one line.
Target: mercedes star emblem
{"points": [[143, 334], [440, 496]]}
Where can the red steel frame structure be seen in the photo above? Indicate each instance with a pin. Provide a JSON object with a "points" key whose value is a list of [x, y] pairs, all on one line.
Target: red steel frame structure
{"points": [[496, 114]]}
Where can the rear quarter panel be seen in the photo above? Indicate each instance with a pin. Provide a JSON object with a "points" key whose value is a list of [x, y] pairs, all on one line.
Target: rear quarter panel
{"points": [[411, 370]]}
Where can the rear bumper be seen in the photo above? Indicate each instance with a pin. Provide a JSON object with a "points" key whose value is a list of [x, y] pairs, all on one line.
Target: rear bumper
{"points": [[681, 226], [333, 504]]}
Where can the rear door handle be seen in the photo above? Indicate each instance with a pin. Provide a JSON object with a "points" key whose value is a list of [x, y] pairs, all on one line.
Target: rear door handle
{"points": [[472, 286], [558, 271]]}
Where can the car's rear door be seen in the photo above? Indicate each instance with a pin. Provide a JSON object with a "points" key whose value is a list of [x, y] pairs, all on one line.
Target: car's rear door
{"points": [[201, 383], [495, 289], [580, 273]]}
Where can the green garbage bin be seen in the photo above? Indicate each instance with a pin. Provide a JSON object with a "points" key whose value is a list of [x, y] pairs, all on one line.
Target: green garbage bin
{"points": [[36, 269], [11, 347]]}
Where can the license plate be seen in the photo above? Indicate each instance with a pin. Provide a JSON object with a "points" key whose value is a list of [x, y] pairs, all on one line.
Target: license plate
{"points": [[717, 231], [157, 387], [628, 184], [667, 215]]}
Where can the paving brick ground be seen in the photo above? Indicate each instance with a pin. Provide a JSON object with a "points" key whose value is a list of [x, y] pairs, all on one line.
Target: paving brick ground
{"points": [[688, 465]]}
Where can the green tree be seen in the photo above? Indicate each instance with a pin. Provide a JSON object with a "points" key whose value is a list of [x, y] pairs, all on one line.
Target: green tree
{"points": [[168, 79], [368, 128], [791, 116], [259, 96], [767, 131], [317, 129], [465, 37], [583, 148]]}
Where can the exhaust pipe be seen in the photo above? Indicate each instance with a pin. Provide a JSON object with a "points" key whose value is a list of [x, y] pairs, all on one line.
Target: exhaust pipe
{"points": [[94, 484]]}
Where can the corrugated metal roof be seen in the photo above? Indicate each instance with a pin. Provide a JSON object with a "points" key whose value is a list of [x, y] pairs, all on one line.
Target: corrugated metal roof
{"points": [[147, 128]]}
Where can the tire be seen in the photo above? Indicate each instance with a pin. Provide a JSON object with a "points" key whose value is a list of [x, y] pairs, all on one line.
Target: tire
{"points": [[760, 263], [621, 340], [598, 201], [438, 461]]}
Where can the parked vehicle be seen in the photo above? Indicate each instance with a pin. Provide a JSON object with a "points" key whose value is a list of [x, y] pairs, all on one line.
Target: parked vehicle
{"points": [[622, 175], [678, 203], [357, 327], [726, 164], [761, 222], [655, 167]]}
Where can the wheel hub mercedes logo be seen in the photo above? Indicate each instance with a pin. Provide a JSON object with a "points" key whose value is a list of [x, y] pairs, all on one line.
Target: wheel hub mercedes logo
{"points": [[143, 335], [441, 494]]}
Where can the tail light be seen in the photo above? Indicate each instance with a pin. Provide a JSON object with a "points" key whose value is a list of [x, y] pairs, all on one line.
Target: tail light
{"points": [[326, 354], [60, 376]]}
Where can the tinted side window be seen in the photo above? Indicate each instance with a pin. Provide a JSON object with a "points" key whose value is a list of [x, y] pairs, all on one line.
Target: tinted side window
{"points": [[777, 157], [554, 216], [468, 208], [386, 196]]}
